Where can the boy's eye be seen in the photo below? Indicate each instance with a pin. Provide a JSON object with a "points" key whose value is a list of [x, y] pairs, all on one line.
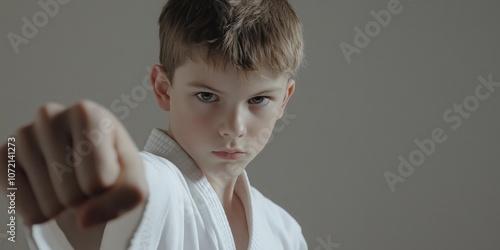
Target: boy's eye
{"points": [[206, 97], [261, 100]]}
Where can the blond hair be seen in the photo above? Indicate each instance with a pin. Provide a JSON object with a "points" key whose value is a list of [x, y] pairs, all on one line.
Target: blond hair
{"points": [[255, 36]]}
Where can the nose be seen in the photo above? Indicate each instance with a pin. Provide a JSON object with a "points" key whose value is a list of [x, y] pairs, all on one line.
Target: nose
{"points": [[233, 124]]}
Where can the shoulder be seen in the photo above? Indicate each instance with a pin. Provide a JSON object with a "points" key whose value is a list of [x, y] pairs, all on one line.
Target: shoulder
{"points": [[162, 174], [169, 189], [167, 192], [272, 209]]}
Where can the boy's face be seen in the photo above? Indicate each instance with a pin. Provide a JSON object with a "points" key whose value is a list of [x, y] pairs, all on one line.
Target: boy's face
{"points": [[215, 111]]}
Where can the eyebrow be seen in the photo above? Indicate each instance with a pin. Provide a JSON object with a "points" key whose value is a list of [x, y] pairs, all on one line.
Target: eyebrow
{"points": [[202, 85], [268, 91]]}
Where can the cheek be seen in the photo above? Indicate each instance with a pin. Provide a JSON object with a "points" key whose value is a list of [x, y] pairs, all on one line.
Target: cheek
{"points": [[194, 132], [194, 123], [265, 119], [197, 131], [192, 113], [260, 133]]}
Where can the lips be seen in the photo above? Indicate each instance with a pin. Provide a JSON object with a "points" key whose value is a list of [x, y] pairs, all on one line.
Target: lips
{"points": [[229, 154], [231, 151]]}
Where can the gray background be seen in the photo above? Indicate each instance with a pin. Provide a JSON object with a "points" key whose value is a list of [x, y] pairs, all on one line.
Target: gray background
{"points": [[351, 120]]}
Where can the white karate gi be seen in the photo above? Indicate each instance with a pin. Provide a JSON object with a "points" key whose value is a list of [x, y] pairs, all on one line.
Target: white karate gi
{"points": [[184, 212]]}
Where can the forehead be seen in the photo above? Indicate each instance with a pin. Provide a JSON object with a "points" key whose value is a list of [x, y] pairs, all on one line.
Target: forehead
{"points": [[200, 71]]}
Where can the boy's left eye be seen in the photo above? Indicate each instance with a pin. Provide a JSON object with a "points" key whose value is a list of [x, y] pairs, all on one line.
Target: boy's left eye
{"points": [[261, 100]]}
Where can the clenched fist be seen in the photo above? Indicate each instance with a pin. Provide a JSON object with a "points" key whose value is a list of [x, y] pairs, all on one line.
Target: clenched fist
{"points": [[79, 158]]}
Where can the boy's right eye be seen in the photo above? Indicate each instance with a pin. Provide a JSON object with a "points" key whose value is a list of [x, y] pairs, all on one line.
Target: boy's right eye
{"points": [[206, 97]]}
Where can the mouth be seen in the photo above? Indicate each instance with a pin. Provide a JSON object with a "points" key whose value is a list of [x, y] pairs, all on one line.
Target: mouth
{"points": [[229, 155], [231, 151]]}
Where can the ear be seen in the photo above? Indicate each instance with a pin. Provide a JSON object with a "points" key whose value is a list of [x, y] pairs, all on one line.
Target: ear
{"points": [[290, 88], [161, 86]]}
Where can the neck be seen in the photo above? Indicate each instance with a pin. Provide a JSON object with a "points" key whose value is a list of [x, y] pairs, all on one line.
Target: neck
{"points": [[224, 188], [222, 181]]}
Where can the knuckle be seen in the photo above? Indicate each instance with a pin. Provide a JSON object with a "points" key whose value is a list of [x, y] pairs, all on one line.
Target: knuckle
{"points": [[85, 111], [86, 104], [46, 110]]}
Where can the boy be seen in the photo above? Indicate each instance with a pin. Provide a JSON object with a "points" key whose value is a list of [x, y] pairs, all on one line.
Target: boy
{"points": [[225, 78]]}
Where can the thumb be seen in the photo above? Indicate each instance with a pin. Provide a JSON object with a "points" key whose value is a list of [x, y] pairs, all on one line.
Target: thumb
{"points": [[108, 206]]}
